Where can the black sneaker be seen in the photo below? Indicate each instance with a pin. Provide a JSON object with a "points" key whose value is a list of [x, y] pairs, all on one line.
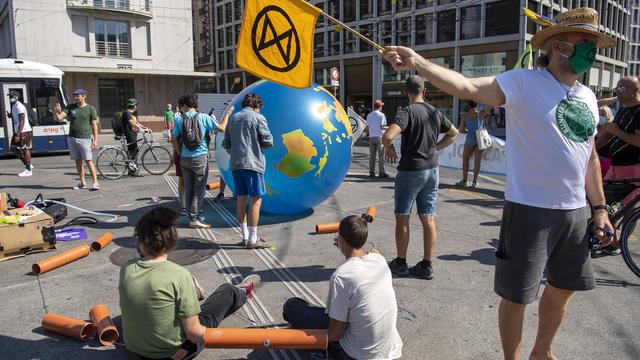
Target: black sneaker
{"points": [[422, 272], [400, 270], [372, 174], [383, 176]]}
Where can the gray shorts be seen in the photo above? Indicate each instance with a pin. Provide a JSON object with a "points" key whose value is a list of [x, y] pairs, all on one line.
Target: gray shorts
{"points": [[533, 238], [79, 149]]}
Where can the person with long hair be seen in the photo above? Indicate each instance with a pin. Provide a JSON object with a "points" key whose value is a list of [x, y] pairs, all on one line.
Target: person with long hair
{"points": [[470, 122]]}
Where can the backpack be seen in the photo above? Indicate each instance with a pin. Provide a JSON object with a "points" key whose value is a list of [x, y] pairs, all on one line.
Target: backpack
{"points": [[31, 115], [191, 133], [117, 124]]}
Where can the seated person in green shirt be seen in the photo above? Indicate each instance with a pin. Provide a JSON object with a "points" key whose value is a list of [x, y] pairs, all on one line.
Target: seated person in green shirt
{"points": [[161, 316]]}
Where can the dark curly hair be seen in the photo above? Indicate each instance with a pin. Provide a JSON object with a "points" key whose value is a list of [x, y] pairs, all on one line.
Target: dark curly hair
{"points": [[354, 230], [156, 230], [188, 100], [252, 100]]}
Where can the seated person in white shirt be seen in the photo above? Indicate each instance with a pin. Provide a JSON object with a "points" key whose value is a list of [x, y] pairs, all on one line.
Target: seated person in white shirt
{"points": [[361, 311]]}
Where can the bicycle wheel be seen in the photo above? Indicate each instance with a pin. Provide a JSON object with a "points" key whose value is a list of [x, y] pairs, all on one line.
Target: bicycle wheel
{"points": [[111, 163], [157, 160], [630, 242]]}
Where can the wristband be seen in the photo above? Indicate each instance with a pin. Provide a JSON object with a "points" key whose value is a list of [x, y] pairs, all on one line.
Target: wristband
{"points": [[607, 208]]}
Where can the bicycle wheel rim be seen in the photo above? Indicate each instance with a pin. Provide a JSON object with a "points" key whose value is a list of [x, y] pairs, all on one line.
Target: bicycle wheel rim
{"points": [[111, 163], [630, 243], [157, 160]]}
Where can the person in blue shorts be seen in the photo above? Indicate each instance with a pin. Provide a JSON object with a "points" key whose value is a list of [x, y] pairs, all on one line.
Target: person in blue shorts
{"points": [[245, 138]]}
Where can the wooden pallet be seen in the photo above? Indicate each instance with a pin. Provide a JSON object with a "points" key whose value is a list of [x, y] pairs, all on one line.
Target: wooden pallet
{"points": [[16, 253]]}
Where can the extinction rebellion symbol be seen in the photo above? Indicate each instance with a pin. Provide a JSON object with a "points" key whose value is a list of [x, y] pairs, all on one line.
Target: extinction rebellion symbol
{"points": [[287, 42]]}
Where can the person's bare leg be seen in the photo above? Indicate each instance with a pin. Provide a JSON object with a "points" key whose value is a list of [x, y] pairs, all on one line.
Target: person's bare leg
{"points": [[92, 170], [27, 157], [181, 191], [402, 235], [80, 170], [241, 209], [477, 160], [19, 154], [254, 211], [428, 235], [466, 155], [223, 186], [553, 305], [510, 320]]}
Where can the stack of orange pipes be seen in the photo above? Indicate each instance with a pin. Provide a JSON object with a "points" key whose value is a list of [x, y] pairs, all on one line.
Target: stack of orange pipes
{"points": [[70, 255], [333, 227], [77, 329], [107, 332]]}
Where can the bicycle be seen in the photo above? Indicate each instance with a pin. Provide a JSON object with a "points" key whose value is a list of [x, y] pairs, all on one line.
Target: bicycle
{"points": [[114, 160], [624, 218]]}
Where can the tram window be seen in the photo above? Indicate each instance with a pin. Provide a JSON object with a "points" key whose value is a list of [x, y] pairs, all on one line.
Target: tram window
{"points": [[46, 99]]}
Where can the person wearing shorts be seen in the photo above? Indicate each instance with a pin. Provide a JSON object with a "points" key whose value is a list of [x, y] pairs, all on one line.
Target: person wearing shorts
{"points": [[83, 135], [417, 179], [552, 168], [469, 124], [22, 133], [245, 138]]}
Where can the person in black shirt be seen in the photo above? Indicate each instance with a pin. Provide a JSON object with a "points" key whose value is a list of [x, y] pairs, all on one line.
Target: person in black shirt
{"points": [[132, 128], [417, 180], [620, 140]]}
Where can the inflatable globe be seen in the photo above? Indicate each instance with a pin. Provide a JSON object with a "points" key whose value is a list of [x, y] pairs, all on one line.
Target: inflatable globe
{"points": [[311, 150]]}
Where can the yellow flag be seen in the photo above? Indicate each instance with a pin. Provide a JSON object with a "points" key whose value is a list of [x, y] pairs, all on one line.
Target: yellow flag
{"points": [[526, 59], [276, 41]]}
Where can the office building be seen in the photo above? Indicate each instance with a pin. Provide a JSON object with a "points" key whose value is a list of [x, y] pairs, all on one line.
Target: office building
{"points": [[116, 49]]}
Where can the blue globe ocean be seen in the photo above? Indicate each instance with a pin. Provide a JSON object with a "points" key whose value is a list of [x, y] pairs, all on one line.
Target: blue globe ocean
{"points": [[311, 150]]}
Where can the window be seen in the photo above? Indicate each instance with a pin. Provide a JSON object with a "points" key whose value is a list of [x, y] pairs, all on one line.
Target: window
{"points": [[148, 28], [230, 59], [229, 36], [403, 31], [424, 29], [349, 9], [385, 32], [444, 2], [237, 10], [496, 21], [532, 27], [320, 76], [366, 9], [483, 64], [318, 44], [334, 8], [384, 7], [366, 30], [424, 3], [112, 38], [80, 28], [446, 25], [470, 22], [220, 33], [220, 14], [334, 43], [350, 43], [320, 22], [47, 96], [227, 13], [403, 5]]}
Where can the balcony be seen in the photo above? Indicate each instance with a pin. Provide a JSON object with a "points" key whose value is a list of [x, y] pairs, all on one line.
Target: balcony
{"points": [[141, 8], [113, 49]]}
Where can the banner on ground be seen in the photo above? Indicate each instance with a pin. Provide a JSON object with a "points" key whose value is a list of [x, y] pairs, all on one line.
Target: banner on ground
{"points": [[276, 41]]}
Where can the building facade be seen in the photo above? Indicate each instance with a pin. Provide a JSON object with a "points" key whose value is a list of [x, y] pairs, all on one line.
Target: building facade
{"points": [[203, 44], [475, 37], [634, 40], [116, 49]]}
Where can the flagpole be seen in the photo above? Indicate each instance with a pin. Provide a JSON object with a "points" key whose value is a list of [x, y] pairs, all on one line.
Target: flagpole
{"points": [[355, 32]]}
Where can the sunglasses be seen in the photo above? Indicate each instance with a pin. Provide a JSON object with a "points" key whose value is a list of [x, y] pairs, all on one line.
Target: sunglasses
{"points": [[621, 89]]}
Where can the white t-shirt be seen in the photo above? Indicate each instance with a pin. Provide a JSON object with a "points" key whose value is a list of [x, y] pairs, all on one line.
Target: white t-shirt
{"points": [[549, 139], [375, 120], [361, 294], [16, 109]]}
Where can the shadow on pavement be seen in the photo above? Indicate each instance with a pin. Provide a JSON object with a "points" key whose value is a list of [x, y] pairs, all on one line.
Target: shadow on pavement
{"points": [[496, 194], [310, 273], [187, 251], [58, 347], [484, 256], [213, 217]]}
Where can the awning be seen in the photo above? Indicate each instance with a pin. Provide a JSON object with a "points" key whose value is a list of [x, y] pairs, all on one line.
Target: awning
{"points": [[125, 71]]}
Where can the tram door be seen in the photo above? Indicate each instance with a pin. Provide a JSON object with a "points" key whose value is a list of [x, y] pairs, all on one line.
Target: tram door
{"points": [[6, 124]]}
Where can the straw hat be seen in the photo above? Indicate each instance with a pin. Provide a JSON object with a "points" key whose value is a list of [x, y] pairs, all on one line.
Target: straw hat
{"points": [[582, 20]]}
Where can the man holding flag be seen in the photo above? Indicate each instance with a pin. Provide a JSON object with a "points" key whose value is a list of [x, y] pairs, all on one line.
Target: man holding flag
{"points": [[552, 167]]}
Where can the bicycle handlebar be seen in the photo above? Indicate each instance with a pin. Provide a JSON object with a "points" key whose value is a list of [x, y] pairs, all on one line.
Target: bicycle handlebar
{"points": [[622, 181]]}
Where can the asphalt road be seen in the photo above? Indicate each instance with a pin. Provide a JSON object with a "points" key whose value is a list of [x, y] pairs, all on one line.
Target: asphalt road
{"points": [[453, 316]]}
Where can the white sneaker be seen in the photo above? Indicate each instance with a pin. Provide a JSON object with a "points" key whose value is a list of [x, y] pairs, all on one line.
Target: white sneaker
{"points": [[25, 173], [197, 224], [80, 185], [95, 186]]}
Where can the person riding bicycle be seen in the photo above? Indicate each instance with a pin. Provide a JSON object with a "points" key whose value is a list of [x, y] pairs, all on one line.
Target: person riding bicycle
{"points": [[620, 139], [132, 128]]}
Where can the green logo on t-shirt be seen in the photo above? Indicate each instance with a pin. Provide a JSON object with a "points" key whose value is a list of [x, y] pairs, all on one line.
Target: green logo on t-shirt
{"points": [[575, 120]]}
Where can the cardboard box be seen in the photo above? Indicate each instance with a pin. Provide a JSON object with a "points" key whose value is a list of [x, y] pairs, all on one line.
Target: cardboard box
{"points": [[3, 202], [35, 234]]}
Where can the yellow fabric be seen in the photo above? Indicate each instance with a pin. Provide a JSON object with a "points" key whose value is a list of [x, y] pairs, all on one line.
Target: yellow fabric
{"points": [[525, 61], [276, 41]]}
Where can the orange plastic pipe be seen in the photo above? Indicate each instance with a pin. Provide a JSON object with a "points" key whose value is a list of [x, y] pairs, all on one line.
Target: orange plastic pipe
{"points": [[102, 241], [107, 332], [327, 228], [371, 210], [213, 185], [265, 339], [77, 329], [63, 258]]}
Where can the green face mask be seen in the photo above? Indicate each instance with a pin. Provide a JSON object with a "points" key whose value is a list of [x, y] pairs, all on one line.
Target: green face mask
{"points": [[583, 57]]}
